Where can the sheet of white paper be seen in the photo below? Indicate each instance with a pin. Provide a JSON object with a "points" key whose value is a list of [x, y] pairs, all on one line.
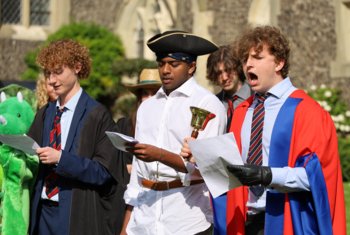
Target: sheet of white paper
{"points": [[212, 156], [20, 142], [119, 140]]}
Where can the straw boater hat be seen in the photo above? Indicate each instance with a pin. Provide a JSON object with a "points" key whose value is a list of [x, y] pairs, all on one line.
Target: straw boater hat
{"points": [[148, 79], [180, 45]]}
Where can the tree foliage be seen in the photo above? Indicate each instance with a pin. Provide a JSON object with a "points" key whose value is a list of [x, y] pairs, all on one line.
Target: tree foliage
{"points": [[132, 67]]}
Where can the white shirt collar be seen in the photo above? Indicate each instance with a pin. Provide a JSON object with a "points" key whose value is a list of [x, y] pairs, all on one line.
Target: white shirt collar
{"points": [[186, 88], [72, 103]]}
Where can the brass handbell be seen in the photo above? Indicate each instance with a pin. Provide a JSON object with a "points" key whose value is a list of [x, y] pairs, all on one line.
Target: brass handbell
{"points": [[200, 119]]}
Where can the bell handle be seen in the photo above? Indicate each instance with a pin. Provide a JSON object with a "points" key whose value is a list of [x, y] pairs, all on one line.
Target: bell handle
{"points": [[194, 133]]}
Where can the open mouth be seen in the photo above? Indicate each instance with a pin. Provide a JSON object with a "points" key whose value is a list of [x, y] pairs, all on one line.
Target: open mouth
{"points": [[252, 79], [252, 76]]}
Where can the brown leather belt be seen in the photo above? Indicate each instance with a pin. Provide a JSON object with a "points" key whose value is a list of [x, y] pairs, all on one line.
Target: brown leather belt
{"points": [[165, 185]]}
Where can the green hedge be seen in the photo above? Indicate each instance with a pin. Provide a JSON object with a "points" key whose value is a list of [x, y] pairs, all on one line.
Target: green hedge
{"points": [[330, 99], [344, 150]]}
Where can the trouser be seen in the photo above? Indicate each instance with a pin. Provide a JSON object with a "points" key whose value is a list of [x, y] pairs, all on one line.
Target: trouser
{"points": [[48, 221], [208, 231], [255, 224]]}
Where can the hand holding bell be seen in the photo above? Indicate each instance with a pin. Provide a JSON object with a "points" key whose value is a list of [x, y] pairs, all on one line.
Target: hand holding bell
{"points": [[200, 119]]}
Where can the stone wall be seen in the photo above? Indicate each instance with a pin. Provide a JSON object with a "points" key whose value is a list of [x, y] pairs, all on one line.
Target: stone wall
{"points": [[12, 54], [99, 12], [230, 18], [184, 15], [309, 24]]}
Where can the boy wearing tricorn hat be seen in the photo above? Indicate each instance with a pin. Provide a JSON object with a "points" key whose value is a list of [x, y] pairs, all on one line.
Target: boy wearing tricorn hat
{"points": [[166, 195]]}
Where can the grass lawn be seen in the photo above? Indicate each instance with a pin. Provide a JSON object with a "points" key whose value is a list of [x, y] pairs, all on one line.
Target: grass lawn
{"points": [[347, 203]]}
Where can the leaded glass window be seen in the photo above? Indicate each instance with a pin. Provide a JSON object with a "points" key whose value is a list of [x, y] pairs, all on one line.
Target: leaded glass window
{"points": [[10, 11], [39, 12], [25, 12]]}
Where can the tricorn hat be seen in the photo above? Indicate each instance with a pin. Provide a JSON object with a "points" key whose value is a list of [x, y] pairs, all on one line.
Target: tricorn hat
{"points": [[148, 79], [179, 44]]}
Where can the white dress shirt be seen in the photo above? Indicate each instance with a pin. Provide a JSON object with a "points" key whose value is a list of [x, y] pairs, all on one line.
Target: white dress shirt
{"points": [[164, 121], [285, 179]]}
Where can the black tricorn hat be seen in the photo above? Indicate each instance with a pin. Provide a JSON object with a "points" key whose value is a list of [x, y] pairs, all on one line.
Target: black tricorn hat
{"points": [[180, 42]]}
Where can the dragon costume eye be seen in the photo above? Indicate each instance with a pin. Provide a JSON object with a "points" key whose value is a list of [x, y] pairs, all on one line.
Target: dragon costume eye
{"points": [[18, 115]]}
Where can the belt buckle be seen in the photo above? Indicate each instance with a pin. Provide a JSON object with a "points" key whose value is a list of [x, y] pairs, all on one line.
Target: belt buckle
{"points": [[162, 185]]}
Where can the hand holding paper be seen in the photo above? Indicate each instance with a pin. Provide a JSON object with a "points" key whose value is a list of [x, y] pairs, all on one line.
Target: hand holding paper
{"points": [[250, 175], [120, 140], [213, 155], [20, 142]]}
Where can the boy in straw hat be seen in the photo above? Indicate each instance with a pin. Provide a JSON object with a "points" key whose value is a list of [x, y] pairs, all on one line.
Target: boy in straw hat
{"points": [[166, 195], [147, 85]]}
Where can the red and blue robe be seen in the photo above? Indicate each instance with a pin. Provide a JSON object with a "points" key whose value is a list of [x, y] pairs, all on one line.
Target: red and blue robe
{"points": [[303, 136]]}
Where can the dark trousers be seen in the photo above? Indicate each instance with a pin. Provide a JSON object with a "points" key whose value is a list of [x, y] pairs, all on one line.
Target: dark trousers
{"points": [[48, 221], [208, 231], [255, 224]]}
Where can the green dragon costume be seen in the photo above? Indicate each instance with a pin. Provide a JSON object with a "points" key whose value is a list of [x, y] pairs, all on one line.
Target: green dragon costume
{"points": [[18, 169]]}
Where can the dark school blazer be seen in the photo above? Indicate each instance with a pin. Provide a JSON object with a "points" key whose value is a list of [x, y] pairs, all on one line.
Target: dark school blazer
{"points": [[89, 171]]}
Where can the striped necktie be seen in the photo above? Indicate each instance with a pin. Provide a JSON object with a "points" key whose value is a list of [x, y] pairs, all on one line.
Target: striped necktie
{"points": [[255, 155], [55, 142], [55, 133]]}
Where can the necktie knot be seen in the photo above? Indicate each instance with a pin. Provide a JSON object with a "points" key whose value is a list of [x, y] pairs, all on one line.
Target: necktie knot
{"points": [[231, 98], [58, 115], [261, 98], [234, 98], [60, 111]]}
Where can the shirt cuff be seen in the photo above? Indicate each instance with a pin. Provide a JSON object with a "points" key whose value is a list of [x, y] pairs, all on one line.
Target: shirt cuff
{"points": [[288, 179], [59, 158], [130, 196], [278, 176], [186, 178]]}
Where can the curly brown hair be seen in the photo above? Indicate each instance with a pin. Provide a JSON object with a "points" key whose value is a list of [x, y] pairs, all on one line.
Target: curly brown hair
{"points": [[270, 36], [227, 55], [65, 52]]}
